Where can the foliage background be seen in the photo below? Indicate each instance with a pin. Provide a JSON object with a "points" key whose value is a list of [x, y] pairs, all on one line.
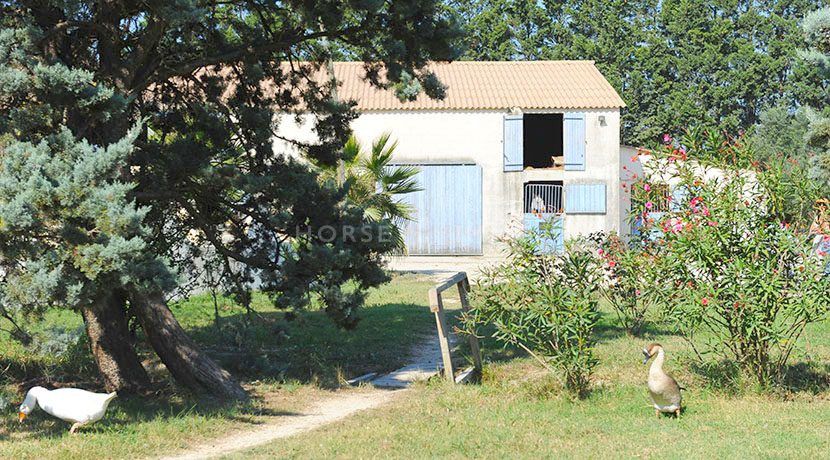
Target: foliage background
{"points": [[676, 63]]}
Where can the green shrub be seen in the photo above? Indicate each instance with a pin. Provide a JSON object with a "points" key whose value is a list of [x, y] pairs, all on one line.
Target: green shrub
{"points": [[741, 275], [633, 279], [544, 303]]}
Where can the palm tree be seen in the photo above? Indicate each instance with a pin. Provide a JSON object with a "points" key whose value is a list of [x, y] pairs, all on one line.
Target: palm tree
{"points": [[376, 186]]}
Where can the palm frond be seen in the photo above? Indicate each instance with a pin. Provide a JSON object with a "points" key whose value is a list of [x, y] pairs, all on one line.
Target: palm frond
{"points": [[351, 152], [376, 186]]}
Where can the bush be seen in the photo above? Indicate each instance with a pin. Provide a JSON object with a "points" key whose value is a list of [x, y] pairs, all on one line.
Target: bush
{"points": [[633, 279], [543, 303], [740, 272]]}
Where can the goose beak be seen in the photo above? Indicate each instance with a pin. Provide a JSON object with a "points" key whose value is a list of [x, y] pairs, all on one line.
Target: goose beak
{"points": [[21, 417], [646, 357]]}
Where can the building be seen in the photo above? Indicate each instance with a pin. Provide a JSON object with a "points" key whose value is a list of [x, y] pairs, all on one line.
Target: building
{"points": [[512, 145]]}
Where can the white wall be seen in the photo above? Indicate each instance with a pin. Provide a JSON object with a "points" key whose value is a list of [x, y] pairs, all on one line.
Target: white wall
{"points": [[638, 165], [476, 137]]}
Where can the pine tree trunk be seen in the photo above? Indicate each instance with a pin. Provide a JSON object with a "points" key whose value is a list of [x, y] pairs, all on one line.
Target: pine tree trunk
{"points": [[183, 358], [118, 363]]}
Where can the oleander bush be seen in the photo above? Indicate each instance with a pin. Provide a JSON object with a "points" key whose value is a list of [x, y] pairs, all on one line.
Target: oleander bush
{"points": [[544, 303], [741, 277], [632, 281]]}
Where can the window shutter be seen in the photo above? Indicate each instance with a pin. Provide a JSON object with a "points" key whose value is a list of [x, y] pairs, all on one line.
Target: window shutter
{"points": [[513, 143], [573, 134], [585, 198]]}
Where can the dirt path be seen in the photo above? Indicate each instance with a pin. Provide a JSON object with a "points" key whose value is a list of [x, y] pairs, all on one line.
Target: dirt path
{"points": [[425, 358], [327, 411]]}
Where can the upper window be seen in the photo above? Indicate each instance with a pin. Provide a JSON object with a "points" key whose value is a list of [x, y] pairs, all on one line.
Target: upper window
{"points": [[543, 141]]}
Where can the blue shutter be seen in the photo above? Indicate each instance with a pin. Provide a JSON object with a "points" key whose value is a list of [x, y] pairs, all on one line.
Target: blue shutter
{"points": [[585, 198], [573, 137], [513, 143]]}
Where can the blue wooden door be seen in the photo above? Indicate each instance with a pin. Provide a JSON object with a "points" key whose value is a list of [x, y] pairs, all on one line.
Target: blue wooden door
{"points": [[447, 211], [550, 228], [654, 233]]}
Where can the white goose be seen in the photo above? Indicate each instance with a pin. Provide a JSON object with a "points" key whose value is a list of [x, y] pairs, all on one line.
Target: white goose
{"points": [[664, 390], [79, 407]]}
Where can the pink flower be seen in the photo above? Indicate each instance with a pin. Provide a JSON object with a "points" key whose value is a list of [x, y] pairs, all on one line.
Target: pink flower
{"points": [[649, 205], [712, 223], [704, 301], [600, 252], [647, 187], [666, 138], [637, 292], [612, 264]]}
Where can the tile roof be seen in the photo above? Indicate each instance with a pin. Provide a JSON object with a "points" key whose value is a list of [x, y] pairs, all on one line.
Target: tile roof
{"points": [[492, 85]]}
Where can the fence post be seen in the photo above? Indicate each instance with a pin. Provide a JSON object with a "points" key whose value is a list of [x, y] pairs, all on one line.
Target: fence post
{"points": [[463, 289], [437, 307]]}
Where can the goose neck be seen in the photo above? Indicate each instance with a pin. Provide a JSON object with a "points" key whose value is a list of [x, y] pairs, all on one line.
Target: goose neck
{"points": [[657, 365]]}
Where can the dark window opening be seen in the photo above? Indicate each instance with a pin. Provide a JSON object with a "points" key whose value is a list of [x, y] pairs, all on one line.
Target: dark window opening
{"points": [[543, 197], [543, 140]]}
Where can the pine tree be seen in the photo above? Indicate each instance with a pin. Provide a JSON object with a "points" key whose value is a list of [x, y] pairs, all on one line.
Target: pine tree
{"points": [[137, 138], [816, 28]]}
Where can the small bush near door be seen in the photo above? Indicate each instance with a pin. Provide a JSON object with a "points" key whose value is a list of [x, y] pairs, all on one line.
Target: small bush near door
{"points": [[544, 303], [633, 277]]}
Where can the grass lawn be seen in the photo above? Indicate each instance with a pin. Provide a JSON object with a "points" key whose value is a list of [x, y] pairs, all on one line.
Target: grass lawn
{"points": [[287, 365], [518, 411]]}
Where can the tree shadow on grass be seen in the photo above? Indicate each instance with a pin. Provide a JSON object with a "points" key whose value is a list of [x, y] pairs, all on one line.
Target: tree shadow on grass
{"points": [[721, 375], [264, 346], [607, 331], [808, 377], [310, 348]]}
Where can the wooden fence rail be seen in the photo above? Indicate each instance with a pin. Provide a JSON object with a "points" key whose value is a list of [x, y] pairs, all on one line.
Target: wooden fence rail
{"points": [[436, 305]]}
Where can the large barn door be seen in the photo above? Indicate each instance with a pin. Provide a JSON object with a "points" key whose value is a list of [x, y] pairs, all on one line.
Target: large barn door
{"points": [[447, 211]]}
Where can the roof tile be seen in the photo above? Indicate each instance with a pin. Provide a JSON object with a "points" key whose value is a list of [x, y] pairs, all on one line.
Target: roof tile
{"points": [[481, 85]]}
